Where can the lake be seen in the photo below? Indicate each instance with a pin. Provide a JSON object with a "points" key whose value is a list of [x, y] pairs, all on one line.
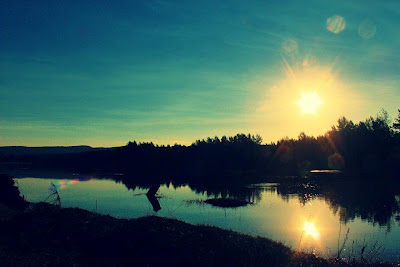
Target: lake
{"points": [[303, 218]]}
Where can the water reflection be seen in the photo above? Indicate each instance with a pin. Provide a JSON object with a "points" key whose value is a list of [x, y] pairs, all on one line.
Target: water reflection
{"points": [[375, 203], [348, 199], [309, 229], [301, 214], [151, 196]]}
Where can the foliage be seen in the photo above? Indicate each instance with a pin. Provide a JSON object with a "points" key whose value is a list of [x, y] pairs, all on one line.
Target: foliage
{"points": [[369, 146], [9, 193], [396, 125]]}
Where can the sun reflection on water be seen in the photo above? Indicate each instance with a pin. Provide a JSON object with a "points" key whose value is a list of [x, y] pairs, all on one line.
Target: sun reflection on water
{"points": [[311, 230]]}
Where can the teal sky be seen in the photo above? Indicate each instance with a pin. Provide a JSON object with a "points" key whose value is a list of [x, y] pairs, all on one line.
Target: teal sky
{"points": [[107, 72]]}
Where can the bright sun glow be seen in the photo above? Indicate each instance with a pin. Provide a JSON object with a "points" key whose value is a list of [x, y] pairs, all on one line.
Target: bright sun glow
{"points": [[309, 103], [310, 230], [309, 97]]}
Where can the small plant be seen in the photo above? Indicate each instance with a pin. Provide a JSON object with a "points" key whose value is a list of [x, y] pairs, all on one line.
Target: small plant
{"points": [[344, 243], [54, 197]]}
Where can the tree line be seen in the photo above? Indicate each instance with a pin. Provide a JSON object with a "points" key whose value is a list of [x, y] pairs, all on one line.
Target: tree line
{"points": [[368, 147]]}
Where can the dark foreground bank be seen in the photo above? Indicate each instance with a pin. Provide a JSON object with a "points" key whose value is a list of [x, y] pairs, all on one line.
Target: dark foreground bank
{"points": [[45, 235]]}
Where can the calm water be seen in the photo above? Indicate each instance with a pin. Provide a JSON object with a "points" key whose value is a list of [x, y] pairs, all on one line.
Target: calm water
{"points": [[313, 225]]}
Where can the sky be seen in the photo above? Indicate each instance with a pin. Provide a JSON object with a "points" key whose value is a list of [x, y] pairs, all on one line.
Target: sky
{"points": [[104, 73]]}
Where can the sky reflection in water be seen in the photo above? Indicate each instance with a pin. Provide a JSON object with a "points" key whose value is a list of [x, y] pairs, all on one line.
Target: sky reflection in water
{"points": [[312, 226]]}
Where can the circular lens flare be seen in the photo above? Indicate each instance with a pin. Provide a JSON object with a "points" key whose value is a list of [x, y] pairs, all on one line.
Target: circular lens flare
{"points": [[290, 46], [335, 24], [367, 29]]}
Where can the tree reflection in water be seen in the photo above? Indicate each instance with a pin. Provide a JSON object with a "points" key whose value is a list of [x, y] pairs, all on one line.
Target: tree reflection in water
{"points": [[374, 202]]}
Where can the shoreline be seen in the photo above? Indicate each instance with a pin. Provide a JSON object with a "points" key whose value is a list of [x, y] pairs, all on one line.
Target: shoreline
{"points": [[48, 235]]}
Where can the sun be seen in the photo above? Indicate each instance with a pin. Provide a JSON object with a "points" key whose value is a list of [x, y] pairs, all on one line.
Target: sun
{"points": [[310, 230], [309, 103]]}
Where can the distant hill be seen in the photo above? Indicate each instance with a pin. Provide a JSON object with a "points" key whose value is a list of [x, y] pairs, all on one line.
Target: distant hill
{"points": [[46, 150]]}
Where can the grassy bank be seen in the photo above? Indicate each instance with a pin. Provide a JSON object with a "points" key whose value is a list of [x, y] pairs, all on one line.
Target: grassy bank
{"points": [[47, 235]]}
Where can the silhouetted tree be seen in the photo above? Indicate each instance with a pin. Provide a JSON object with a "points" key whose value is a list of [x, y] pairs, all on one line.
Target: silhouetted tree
{"points": [[396, 124], [369, 146], [9, 193]]}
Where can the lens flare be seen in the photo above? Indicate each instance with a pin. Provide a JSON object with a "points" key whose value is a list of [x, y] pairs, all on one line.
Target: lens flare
{"points": [[336, 161], [367, 29], [309, 61], [64, 183], [335, 24], [289, 46]]}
